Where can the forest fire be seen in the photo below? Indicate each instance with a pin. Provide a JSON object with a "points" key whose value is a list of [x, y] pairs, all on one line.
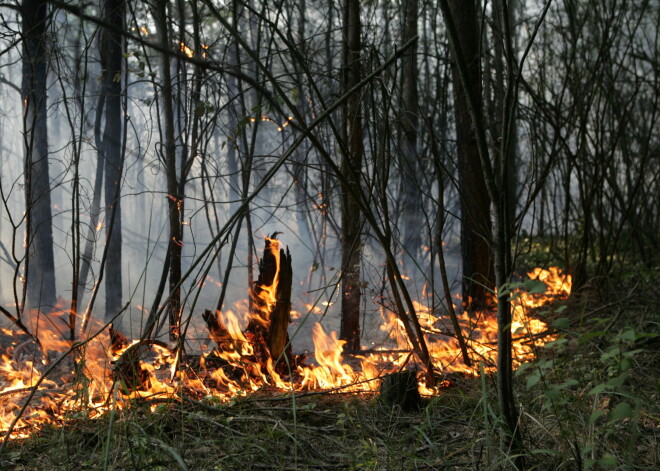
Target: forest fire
{"points": [[51, 382]]}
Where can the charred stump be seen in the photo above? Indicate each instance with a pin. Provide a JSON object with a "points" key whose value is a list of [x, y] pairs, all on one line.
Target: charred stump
{"points": [[118, 341], [267, 329], [400, 389], [129, 372]]}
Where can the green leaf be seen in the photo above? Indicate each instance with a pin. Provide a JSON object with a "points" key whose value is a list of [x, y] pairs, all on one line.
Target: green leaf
{"points": [[598, 389], [621, 411], [544, 451], [591, 335], [555, 343], [617, 381], [553, 393], [628, 335], [626, 364], [568, 383], [607, 461], [589, 463], [533, 380], [535, 286], [632, 353], [522, 368], [561, 323], [612, 352]]}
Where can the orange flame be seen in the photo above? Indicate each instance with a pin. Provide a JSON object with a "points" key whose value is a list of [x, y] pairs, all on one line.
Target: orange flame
{"points": [[87, 379]]}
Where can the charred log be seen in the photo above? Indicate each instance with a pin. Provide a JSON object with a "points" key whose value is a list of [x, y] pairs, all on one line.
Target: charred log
{"points": [[280, 316]]}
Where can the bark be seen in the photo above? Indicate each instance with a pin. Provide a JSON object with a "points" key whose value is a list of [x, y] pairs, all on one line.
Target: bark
{"points": [[497, 191], [234, 139], [351, 218], [174, 197], [95, 207], [111, 61], [128, 370], [40, 269], [410, 163], [503, 50], [271, 312], [476, 227], [300, 174], [400, 389]]}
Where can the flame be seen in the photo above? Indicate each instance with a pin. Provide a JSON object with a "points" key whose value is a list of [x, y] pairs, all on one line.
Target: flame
{"points": [[269, 292], [84, 376], [186, 50]]}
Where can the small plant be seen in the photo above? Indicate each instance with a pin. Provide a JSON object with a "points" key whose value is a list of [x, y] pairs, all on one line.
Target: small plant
{"points": [[585, 393]]}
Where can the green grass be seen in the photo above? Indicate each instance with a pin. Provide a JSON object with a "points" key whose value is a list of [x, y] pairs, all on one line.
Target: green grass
{"points": [[589, 402]]}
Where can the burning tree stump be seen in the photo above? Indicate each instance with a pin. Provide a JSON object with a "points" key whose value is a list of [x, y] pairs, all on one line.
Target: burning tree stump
{"points": [[271, 315], [129, 372], [218, 331], [400, 389]]}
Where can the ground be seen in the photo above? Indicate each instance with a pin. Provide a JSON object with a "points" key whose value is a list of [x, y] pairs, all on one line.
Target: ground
{"points": [[589, 402]]}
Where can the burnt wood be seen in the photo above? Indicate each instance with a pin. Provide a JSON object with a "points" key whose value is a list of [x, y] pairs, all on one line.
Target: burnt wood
{"points": [[400, 389], [267, 329], [218, 331]]}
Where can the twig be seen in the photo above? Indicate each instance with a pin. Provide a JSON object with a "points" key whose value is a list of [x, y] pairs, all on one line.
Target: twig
{"points": [[20, 325]]}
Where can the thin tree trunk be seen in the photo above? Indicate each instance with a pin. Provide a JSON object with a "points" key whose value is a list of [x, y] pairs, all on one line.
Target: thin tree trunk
{"points": [[111, 62], [410, 164], [40, 269], [351, 165], [497, 191], [174, 198]]}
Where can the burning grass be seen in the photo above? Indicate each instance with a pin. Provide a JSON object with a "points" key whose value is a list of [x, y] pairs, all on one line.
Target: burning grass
{"points": [[570, 399], [105, 372], [107, 402], [319, 431]]}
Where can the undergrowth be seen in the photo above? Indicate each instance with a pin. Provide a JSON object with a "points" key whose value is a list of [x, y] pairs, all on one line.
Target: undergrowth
{"points": [[589, 402]]}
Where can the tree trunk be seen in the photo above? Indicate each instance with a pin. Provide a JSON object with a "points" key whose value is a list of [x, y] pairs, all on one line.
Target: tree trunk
{"points": [[351, 165], [502, 50], [478, 271], [497, 190], [412, 201], [40, 270], [111, 61], [174, 198]]}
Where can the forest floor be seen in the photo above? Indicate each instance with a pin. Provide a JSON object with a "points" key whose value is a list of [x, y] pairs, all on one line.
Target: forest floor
{"points": [[591, 401]]}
